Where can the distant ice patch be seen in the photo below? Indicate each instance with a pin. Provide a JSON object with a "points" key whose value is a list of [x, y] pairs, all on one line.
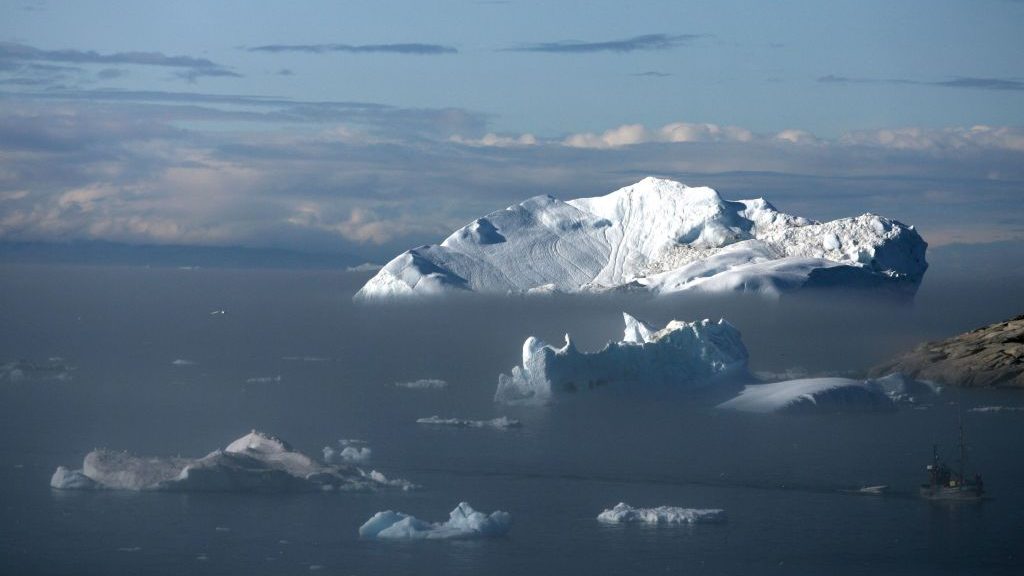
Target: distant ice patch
{"points": [[830, 395], [256, 462], [181, 362], [423, 384], [501, 423], [991, 409], [263, 379], [51, 369], [624, 513], [463, 522], [365, 267], [680, 354]]}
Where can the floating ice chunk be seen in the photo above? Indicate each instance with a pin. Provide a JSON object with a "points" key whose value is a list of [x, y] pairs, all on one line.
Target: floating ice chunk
{"points": [[255, 462], [463, 522], [423, 384], [681, 353], [347, 453], [263, 379], [365, 267], [382, 480], [623, 513], [502, 422], [986, 409], [53, 368], [829, 394], [182, 362]]}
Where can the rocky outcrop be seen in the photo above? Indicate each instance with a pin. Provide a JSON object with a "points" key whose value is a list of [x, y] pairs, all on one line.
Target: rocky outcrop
{"points": [[988, 356]]}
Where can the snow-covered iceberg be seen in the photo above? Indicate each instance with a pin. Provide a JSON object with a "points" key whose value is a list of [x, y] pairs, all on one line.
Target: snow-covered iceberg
{"points": [[255, 462], [681, 353], [463, 522], [500, 423], [658, 236], [624, 513], [830, 395]]}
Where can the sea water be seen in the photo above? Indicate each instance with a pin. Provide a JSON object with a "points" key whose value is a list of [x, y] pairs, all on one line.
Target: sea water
{"points": [[286, 352]]}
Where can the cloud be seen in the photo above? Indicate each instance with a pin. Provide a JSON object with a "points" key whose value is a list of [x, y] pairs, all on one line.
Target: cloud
{"points": [[373, 179], [998, 84], [404, 48], [645, 42], [13, 53], [946, 139], [632, 134], [496, 140]]}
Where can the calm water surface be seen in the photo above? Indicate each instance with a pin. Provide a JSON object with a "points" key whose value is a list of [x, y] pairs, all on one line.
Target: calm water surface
{"points": [[293, 357]]}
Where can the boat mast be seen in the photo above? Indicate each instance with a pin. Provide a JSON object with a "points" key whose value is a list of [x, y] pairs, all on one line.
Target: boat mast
{"points": [[963, 446]]}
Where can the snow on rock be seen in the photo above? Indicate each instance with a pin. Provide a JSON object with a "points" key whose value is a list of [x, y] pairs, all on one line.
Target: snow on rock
{"points": [[658, 236], [254, 462], [681, 353], [830, 395], [624, 513], [501, 423], [463, 522]]}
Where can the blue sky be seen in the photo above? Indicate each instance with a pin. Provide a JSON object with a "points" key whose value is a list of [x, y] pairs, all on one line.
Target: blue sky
{"points": [[364, 126]]}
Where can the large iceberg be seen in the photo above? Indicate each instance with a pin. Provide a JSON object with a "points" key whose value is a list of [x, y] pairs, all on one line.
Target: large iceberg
{"points": [[255, 462], [830, 395], [658, 236], [681, 353], [463, 522], [624, 513]]}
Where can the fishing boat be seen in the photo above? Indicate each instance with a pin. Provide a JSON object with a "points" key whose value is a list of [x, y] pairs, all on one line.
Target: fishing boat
{"points": [[944, 483]]}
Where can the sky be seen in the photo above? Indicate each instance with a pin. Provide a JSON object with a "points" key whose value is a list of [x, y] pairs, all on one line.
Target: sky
{"points": [[366, 127]]}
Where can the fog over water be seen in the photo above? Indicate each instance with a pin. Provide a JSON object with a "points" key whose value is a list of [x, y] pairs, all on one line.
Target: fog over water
{"points": [[293, 356]]}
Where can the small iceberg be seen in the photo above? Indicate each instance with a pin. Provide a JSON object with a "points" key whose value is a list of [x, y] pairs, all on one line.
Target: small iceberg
{"points": [[256, 462], [830, 395], [463, 522], [624, 513], [680, 354], [348, 451], [502, 423]]}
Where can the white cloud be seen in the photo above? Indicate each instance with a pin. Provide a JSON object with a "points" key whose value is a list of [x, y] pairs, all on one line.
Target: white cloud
{"points": [[956, 138], [676, 132], [497, 141]]}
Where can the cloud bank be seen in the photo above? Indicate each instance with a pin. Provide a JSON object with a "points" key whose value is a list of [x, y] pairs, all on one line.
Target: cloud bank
{"points": [[371, 179]]}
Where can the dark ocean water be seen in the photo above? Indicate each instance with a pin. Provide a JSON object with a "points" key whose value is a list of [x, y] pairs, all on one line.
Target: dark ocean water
{"points": [[293, 357]]}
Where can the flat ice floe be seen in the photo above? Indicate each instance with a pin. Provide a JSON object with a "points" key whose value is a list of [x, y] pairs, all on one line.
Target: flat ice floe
{"points": [[624, 513], [501, 423], [51, 369], [682, 353], [463, 522], [255, 462], [830, 395], [660, 237], [423, 384]]}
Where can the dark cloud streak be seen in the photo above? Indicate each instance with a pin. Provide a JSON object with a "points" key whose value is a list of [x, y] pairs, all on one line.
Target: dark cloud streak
{"points": [[13, 53], [646, 42], [403, 48], [997, 84]]}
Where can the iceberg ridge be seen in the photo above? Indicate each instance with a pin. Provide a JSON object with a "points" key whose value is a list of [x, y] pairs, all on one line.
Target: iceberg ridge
{"points": [[658, 236]]}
